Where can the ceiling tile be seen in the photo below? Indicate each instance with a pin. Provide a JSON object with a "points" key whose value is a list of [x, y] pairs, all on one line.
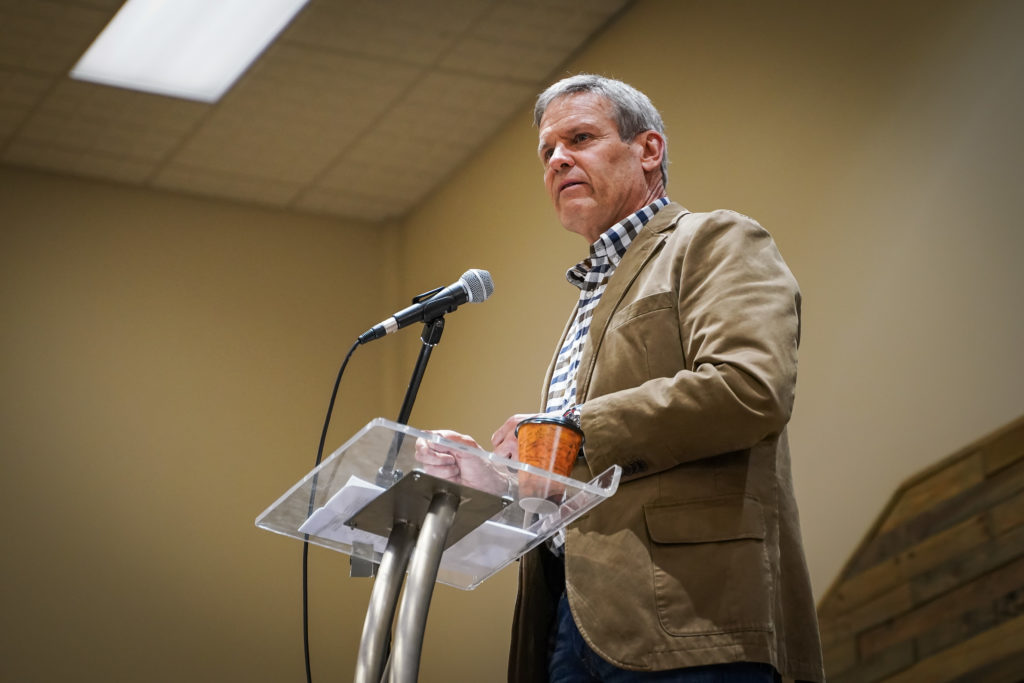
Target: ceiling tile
{"points": [[113, 122], [352, 205], [506, 59], [295, 113], [426, 136], [527, 40], [34, 154], [19, 91], [201, 181], [412, 31], [20, 88], [47, 37]]}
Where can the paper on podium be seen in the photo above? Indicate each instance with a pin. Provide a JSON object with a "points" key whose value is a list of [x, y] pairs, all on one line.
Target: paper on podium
{"points": [[329, 521], [486, 549]]}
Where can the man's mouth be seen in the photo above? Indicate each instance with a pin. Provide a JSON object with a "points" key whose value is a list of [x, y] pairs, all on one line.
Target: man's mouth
{"points": [[568, 184]]}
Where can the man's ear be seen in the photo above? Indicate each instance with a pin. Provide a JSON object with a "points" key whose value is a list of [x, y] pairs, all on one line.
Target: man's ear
{"points": [[652, 149]]}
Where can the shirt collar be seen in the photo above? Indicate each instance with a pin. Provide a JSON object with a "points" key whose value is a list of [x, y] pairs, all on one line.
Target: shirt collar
{"points": [[611, 245]]}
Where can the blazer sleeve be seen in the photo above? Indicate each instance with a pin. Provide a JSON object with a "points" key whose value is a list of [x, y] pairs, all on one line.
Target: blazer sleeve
{"points": [[734, 331]]}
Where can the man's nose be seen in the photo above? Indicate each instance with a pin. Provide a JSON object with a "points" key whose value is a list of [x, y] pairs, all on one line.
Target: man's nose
{"points": [[560, 158]]}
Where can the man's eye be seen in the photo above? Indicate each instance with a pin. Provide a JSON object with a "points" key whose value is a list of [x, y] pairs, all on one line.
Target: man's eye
{"points": [[581, 137]]}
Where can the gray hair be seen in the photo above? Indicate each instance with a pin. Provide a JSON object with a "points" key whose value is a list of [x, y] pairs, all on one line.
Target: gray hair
{"points": [[633, 111]]}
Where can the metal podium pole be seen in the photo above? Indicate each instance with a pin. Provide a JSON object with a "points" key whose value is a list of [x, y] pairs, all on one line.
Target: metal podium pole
{"points": [[420, 515], [426, 558], [383, 599]]}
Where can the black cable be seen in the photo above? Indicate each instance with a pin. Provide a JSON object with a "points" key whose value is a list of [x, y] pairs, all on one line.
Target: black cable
{"points": [[312, 497]]}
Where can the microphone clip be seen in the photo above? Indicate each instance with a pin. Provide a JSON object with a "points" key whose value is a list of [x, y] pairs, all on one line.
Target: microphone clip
{"points": [[432, 331], [433, 328], [420, 298]]}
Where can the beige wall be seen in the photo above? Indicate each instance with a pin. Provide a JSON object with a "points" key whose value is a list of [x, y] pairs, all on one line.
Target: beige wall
{"points": [[879, 142], [166, 366], [166, 360]]}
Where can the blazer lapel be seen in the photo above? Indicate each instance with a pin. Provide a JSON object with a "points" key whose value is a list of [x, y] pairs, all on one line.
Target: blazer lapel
{"points": [[640, 251]]}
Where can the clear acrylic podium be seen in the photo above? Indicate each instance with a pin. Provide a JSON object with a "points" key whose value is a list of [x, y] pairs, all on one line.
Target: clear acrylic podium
{"points": [[372, 500]]}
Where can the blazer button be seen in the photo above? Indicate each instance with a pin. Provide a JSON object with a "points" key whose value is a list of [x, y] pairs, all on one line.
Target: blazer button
{"points": [[633, 467]]}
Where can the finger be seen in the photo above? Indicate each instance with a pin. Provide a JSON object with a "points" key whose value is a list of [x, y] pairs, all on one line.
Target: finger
{"points": [[425, 451], [509, 449], [456, 437], [449, 472], [434, 458], [429, 453], [507, 429]]}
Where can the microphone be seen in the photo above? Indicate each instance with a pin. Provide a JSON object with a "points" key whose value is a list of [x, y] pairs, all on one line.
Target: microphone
{"points": [[474, 286]]}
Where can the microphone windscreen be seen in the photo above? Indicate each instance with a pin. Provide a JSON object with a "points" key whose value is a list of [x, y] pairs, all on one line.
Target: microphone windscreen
{"points": [[478, 283]]}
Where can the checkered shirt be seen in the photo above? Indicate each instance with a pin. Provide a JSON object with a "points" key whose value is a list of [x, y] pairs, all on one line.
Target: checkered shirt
{"points": [[591, 277]]}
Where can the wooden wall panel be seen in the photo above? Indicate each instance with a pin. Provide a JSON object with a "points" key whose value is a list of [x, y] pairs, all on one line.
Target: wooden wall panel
{"points": [[935, 592]]}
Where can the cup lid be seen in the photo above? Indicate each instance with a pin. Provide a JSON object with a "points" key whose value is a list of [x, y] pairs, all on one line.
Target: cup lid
{"points": [[550, 419]]}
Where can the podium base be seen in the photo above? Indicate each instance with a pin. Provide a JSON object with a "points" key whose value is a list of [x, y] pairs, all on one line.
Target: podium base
{"points": [[409, 500]]}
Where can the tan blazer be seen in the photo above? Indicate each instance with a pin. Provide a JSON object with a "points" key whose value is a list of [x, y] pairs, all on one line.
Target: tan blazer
{"points": [[687, 382]]}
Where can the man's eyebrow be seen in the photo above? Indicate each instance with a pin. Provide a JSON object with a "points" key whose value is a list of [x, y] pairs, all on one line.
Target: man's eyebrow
{"points": [[576, 128]]}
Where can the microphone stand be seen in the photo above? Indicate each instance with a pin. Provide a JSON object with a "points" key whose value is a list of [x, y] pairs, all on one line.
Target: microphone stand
{"points": [[387, 475], [431, 337]]}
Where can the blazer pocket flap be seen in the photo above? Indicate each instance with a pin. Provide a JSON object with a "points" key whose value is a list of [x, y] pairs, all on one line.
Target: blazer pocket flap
{"points": [[652, 302], [708, 520]]}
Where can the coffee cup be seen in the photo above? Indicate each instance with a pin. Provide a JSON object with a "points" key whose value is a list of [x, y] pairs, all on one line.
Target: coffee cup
{"points": [[549, 443]]}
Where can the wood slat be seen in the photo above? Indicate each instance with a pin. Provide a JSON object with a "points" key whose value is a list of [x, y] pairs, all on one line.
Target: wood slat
{"points": [[1005, 670], [941, 485], [1003, 608], [839, 627], [945, 609], [1007, 515], [947, 632], [995, 644], [1006, 484], [967, 567], [840, 656], [932, 551], [1004, 450], [891, 661]]}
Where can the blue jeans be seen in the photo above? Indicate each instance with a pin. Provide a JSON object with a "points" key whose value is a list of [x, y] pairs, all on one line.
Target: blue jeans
{"points": [[572, 661]]}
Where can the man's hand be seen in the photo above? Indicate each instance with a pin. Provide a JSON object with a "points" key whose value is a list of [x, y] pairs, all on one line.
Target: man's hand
{"points": [[445, 462], [504, 440]]}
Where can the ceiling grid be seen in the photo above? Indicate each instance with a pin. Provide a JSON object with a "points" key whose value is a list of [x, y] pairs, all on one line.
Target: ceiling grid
{"points": [[358, 110]]}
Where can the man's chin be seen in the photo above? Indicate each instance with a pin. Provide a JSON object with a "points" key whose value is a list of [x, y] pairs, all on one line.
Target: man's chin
{"points": [[575, 210]]}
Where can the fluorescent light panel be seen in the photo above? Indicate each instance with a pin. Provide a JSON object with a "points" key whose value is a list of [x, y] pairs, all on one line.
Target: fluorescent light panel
{"points": [[194, 49]]}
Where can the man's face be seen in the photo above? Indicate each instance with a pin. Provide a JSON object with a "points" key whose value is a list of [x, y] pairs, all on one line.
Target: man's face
{"points": [[594, 179]]}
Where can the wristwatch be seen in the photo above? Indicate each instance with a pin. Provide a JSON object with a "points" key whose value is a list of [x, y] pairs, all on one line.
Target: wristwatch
{"points": [[573, 414]]}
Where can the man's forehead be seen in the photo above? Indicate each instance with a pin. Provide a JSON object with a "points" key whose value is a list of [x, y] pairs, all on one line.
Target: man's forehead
{"points": [[574, 110], [577, 104]]}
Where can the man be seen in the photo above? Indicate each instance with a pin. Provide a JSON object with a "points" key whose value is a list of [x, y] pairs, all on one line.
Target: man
{"points": [[679, 363]]}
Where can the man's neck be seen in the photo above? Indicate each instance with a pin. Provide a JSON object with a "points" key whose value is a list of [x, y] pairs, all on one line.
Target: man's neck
{"points": [[655, 191]]}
